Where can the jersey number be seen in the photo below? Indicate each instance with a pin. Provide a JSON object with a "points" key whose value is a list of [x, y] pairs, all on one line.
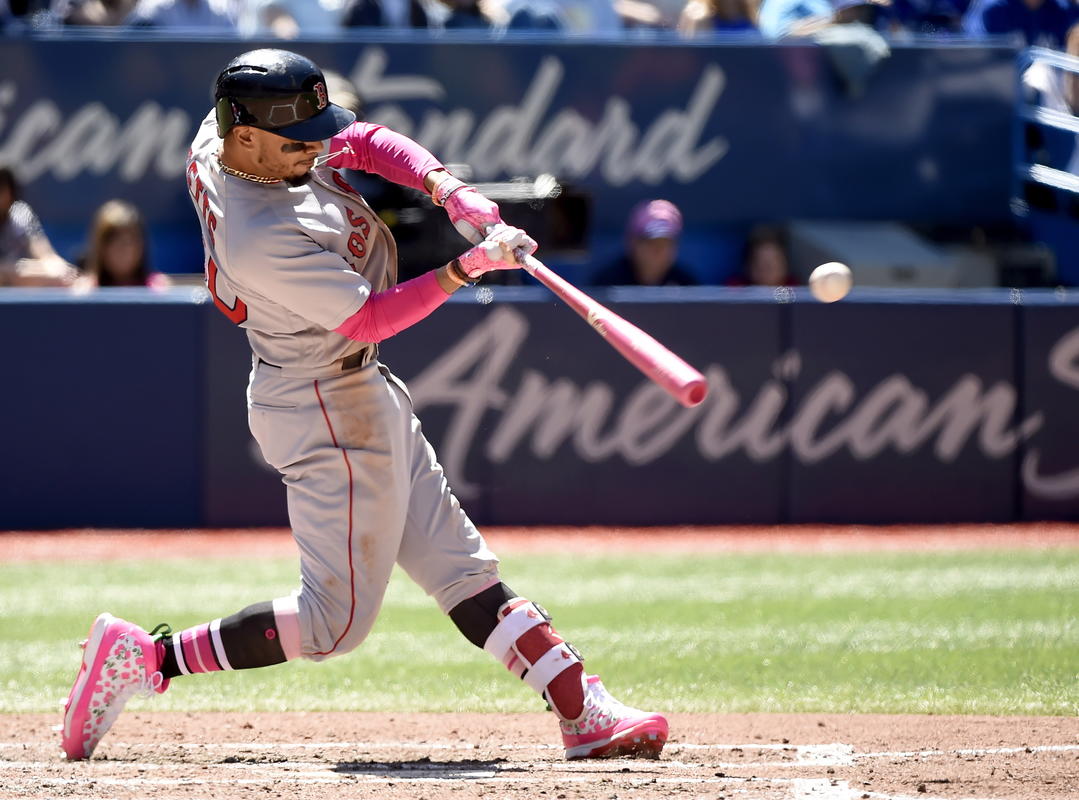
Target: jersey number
{"points": [[238, 313]]}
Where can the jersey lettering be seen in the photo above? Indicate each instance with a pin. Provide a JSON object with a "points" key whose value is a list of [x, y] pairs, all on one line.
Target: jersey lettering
{"points": [[343, 185], [357, 242], [358, 221], [198, 188], [238, 313]]}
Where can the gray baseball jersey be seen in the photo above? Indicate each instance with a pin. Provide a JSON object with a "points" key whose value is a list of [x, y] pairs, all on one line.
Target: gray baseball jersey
{"points": [[289, 264], [365, 491]]}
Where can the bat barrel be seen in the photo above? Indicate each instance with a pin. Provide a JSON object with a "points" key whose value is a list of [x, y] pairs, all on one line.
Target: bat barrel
{"points": [[684, 383]]}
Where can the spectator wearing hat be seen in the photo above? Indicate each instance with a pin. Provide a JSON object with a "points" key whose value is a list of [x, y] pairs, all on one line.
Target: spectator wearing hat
{"points": [[651, 255]]}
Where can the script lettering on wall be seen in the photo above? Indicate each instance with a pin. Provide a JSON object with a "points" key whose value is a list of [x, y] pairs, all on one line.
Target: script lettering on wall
{"points": [[542, 413]]}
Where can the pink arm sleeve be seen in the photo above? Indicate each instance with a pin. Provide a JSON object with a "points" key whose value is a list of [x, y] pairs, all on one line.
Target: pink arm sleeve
{"points": [[391, 311], [373, 148]]}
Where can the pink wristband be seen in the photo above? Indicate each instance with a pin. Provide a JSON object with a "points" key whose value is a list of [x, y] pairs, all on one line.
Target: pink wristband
{"points": [[391, 311]]}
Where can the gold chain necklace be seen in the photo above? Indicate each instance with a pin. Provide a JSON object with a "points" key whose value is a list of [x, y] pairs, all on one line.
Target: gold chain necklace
{"points": [[245, 175]]}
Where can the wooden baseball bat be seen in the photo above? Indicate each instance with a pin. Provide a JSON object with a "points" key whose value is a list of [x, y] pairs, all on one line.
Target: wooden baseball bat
{"points": [[679, 379]]}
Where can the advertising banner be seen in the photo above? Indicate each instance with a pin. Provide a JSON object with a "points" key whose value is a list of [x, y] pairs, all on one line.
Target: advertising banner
{"points": [[733, 134]]}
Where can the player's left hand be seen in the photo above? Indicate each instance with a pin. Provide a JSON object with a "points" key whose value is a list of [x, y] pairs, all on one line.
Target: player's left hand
{"points": [[470, 212], [500, 250]]}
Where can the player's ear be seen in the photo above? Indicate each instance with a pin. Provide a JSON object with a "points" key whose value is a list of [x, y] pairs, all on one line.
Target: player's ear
{"points": [[243, 135]]}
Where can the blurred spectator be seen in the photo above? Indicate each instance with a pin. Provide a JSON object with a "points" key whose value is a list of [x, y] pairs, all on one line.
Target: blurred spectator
{"points": [[1043, 23], [26, 255], [765, 260], [19, 15], [466, 15], [706, 16], [780, 18], [93, 12], [534, 15], [205, 15], [568, 16], [287, 19], [1058, 90], [343, 92], [930, 16], [591, 16], [384, 14], [117, 254], [651, 254], [654, 14]]}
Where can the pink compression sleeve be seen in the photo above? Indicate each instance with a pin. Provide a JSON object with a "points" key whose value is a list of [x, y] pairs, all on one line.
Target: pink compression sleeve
{"points": [[373, 148], [391, 311]]}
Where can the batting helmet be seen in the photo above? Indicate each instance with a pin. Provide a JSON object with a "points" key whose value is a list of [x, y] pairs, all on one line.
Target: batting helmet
{"points": [[278, 91]]}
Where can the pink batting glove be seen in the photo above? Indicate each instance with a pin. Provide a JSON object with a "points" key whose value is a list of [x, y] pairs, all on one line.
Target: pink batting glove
{"points": [[470, 212], [500, 250]]}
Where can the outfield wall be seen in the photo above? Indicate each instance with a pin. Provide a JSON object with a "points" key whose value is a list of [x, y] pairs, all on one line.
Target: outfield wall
{"points": [[127, 409]]}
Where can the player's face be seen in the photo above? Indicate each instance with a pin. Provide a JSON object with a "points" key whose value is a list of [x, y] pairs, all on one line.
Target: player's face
{"points": [[285, 158], [653, 258], [768, 265]]}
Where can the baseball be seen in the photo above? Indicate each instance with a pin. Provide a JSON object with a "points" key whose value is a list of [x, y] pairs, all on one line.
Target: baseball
{"points": [[830, 282]]}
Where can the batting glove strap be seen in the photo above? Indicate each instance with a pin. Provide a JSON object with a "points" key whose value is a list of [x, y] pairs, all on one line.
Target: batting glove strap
{"points": [[446, 188]]}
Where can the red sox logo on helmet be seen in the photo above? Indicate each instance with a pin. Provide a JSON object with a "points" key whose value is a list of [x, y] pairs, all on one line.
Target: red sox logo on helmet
{"points": [[320, 95]]}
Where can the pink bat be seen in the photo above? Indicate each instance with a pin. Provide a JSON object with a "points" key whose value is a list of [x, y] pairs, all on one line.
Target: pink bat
{"points": [[678, 379]]}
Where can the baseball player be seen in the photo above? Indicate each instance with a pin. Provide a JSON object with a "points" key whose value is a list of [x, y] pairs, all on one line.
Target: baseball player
{"points": [[296, 257]]}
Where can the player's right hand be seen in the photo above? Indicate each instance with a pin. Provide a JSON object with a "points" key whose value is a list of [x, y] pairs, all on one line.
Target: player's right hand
{"points": [[499, 250]]}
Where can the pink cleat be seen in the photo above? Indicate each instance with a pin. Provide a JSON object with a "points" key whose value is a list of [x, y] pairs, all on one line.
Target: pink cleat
{"points": [[608, 729], [118, 659]]}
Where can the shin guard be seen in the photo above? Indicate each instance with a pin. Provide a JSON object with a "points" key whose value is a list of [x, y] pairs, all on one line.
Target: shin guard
{"points": [[527, 645]]}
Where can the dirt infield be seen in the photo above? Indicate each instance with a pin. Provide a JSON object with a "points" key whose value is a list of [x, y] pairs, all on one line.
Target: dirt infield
{"points": [[466, 756], [84, 545], [170, 755]]}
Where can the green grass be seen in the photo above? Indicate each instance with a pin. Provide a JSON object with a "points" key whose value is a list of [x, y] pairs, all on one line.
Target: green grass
{"points": [[970, 633]]}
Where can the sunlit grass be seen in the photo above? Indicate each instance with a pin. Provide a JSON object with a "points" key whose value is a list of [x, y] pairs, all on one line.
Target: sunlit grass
{"points": [[965, 632]]}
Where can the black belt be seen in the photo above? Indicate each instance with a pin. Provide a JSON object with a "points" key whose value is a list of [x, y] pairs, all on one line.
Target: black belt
{"points": [[358, 359]]}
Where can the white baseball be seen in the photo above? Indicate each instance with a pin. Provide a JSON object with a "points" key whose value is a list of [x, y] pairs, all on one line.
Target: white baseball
{"points": [[830, 282]]}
